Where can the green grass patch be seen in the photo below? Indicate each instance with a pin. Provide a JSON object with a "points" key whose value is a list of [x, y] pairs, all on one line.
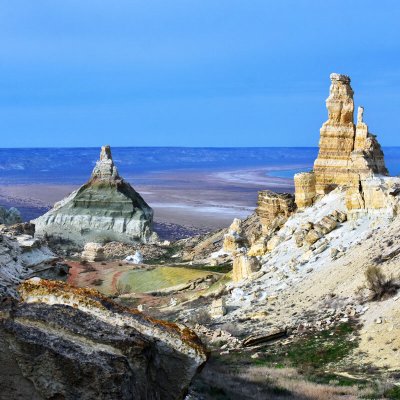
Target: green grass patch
{"points": [[141, 281], [314, 351], [221, 269], [338, 380], [393, 393]]}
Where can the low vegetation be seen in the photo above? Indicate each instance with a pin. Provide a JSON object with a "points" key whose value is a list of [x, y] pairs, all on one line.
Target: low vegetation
{"points": [[380, 286], [304, 369]]}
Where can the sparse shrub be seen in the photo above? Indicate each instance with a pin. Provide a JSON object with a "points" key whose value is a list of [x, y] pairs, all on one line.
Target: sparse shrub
{"points": [[380, 285], [84, 262], [122, 289], [97, 282]]}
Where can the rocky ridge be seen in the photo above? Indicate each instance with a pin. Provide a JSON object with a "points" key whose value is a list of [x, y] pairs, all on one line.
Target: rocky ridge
{"points": [[311, 265]]}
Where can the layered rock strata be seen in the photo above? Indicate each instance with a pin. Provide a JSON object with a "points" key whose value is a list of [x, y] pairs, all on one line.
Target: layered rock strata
{"points": [[304, 183], [347, 152], [336, 137], [273, 209], [376, 194], [66, 343], [20, 256], [106, 208]]}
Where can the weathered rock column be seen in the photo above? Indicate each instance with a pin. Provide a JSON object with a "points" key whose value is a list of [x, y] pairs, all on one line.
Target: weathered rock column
{"points": [[244, 266], [304, 183], [336, 137]]}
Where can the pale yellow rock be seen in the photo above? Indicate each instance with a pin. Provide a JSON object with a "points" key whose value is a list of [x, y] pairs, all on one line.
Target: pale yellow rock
{"points": [[274, 242], [328, 224], [259, 315], [93, 252], [233, 240], [274, 209], [312, 236], [376, 194], [244, 266], [258, 249], [347, 152], [304, 183]]}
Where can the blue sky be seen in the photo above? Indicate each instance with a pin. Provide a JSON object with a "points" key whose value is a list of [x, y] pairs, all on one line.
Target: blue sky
{"points": [[192, 72]]}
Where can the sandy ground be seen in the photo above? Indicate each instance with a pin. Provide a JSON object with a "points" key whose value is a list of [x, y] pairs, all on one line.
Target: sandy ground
{"points": [[205, 200]]}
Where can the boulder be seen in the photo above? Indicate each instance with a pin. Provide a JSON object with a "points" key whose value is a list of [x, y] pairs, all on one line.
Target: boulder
{"points": [[244, 266], [59, 342], [105, 209], [312, 236], [137, 258], [258, 249], [233, 240], [93, 252], [328, 224], [339, 216], [218, 308]]}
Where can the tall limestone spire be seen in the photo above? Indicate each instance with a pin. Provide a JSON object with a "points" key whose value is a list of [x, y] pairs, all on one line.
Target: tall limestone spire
{"points": [[336, 136], [347, 152]]}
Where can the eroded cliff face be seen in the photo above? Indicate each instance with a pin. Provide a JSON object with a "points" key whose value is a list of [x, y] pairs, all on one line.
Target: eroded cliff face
{"points": [[273, 209], [106, 208], [20, 256], [61, 342]]}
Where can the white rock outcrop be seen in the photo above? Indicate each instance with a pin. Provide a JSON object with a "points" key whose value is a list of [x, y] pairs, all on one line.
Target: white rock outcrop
{"points": [[106, 208]]}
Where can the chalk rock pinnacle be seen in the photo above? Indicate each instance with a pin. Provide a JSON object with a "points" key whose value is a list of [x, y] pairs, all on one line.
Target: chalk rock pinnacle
{"points": [[106, 208], [105, 168]]}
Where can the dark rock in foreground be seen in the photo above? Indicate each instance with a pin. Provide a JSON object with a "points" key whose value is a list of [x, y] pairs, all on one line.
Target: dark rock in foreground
{"points": [[65, 343]]}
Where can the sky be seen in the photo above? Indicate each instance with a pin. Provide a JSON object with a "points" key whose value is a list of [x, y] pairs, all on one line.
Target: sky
{"points": [[206, 73]]}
